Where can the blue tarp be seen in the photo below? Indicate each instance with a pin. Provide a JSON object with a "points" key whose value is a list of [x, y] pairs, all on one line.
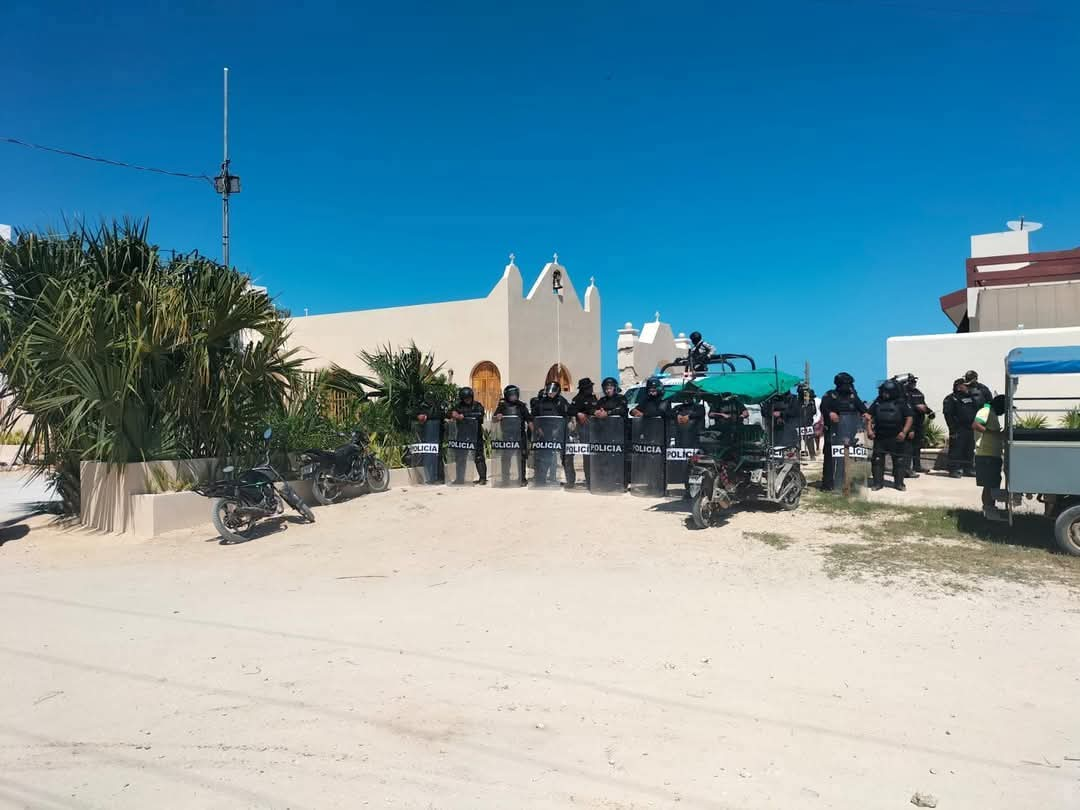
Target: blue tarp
{"points": [[1044, 360]]}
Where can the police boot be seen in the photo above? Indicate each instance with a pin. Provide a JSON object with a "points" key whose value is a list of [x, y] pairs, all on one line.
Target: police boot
{"points": [[877, 467]]}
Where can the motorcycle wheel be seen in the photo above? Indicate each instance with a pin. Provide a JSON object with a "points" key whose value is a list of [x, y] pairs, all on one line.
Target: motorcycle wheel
{"points": [[325, 490], [378, 476], [792, 500], [297, 503], [701, 511], [231, 527]]}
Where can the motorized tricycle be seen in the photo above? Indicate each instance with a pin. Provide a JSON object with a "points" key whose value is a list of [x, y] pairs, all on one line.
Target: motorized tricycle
{"points": [[1044, 462]]}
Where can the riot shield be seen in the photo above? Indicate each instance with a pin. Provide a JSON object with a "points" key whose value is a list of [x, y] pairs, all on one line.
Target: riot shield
{"points": [[461, 443], [607, 442], [422, 455], [681, 444], [850, 454], [647, 456], [506, 459], [576, 463], [548, 441]]}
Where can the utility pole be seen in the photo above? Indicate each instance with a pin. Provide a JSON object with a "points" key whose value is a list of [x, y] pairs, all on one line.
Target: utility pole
{"points": [[225, 183]]}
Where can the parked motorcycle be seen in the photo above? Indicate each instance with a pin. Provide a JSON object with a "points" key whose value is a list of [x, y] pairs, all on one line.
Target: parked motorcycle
{"points": [[352, 464], [241, 501]]}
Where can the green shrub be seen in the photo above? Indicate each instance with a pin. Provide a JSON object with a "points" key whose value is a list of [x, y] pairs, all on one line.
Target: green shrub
{"points": [[1071, 419], [933, 435], [1032, 421]]}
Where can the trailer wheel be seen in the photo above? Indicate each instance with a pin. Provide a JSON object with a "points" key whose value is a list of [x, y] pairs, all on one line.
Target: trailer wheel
{"points": [[1067, 530]]}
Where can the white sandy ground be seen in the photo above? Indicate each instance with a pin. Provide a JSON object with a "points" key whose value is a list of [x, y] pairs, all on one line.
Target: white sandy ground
{"points": [[515, 649]]}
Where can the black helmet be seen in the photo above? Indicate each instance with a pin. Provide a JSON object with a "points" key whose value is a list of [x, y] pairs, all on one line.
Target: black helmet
{"points": [[843, 378], [465, 393], [889, 389], [695, 338], [609, 381], [584, 384], [552, 389], [511, 392], [652, 385]]}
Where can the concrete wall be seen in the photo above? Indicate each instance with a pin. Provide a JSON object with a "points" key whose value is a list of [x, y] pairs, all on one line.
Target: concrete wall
{"points": [[105, 489], [512, 329], [1004, 243], [937, 360]]}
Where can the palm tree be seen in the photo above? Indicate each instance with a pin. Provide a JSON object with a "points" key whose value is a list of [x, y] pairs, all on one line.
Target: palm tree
{"points": [[118, 356], [402, 381]]}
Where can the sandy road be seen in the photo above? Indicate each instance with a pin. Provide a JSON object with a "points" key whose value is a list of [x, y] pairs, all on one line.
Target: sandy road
{"points": [[466, 649]]}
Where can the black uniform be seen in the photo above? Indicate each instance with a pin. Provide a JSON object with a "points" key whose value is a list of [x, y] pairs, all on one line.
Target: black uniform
{"points": [[616, 405], [584, 403], [917, 434], [433, 466], [805, 405], [834, 402], [547, 406], [980, 393], [518, 409], [700, 355], [472, 410], [730, 406], [887, 417], [959, 411]]}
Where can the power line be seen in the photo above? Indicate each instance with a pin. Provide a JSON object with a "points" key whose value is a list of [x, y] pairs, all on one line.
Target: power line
{"points": [[106, 161]]}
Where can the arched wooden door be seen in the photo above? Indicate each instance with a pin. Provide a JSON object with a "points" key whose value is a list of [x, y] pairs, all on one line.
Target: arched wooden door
{"points": [[486, 384], [558, 373]]}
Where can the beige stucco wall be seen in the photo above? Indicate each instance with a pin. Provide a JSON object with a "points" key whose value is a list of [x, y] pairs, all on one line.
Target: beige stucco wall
{"points": [[937, 360], [513, 329], [105, 490]]}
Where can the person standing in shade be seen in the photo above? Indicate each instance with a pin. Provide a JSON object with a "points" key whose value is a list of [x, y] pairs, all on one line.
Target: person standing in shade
{"points": [[989, 445], [511, 405], [468, 407], [842, 399], [890, 422], [582, 407], [959, 409]]}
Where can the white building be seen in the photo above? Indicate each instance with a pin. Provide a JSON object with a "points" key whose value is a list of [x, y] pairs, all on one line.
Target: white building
{"points": [[642, 352], [508, 336], [1013, 298]]}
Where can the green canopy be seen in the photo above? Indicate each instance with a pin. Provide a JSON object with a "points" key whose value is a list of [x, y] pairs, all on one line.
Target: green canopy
{"points": [[751, 387]]}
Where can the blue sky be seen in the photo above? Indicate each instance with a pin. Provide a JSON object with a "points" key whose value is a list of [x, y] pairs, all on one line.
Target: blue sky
{"points": [[797, 178]]}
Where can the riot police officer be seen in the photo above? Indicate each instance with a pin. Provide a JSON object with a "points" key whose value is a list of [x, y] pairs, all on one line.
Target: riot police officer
{"points": [[552, 403], [430, 412], [612, 403], [890, 422], [921, 413], [700, 353], [511, 405], [842, 399], [960, 409], [467, 407], [802, 410], [729, 410], [652, 404], [981, 393], [582, 407]]}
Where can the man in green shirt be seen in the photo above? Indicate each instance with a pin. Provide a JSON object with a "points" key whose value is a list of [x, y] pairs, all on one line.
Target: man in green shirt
{"points": [[989, 444]]}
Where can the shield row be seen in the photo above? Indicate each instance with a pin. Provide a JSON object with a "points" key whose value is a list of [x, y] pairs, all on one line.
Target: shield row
{"points": [[601, 455]]}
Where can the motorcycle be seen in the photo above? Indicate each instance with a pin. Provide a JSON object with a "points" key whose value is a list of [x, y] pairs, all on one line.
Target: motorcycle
{"points": [[241, 501], [352, 464], [745, 471]]}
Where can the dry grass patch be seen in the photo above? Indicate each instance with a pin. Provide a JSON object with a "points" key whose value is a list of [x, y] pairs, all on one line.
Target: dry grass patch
{"points": [[777, 540], [947, 547]]}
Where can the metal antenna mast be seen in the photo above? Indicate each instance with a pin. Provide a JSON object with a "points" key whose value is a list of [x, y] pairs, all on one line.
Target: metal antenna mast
{"points": [[225, 184]]}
